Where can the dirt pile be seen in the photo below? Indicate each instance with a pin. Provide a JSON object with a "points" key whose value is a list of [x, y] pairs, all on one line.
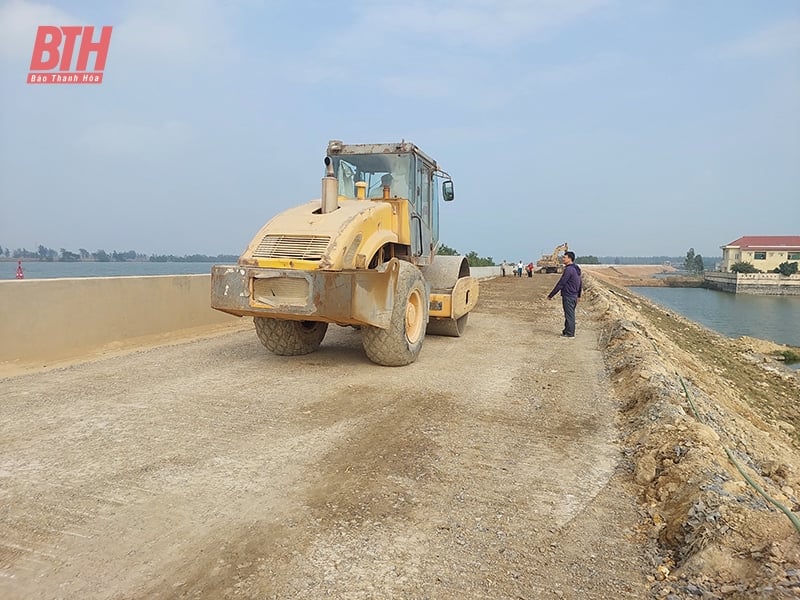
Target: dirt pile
{"points": [[630, 275], [692, 402]]}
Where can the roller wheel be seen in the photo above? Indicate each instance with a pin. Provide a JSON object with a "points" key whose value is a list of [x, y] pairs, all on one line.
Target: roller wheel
{"points": [[448, 327], [401, 343], [289, 338]]}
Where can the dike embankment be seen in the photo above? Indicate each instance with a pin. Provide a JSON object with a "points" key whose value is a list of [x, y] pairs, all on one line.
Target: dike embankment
{"points": [[708, 425], [710, 428]]}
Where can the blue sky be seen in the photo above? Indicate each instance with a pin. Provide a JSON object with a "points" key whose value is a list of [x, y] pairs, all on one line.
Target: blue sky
{"points": [[626, 128]]}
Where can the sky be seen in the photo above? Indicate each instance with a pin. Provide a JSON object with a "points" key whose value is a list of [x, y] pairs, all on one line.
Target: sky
{"points": [[623, 127]]}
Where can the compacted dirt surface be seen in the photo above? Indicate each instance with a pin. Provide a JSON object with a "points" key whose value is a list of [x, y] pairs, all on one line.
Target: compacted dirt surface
{"points": [[508, 463]]}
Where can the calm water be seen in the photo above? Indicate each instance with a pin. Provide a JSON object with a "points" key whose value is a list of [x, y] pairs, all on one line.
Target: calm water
{"points": [[51, 270], [775, 318]]}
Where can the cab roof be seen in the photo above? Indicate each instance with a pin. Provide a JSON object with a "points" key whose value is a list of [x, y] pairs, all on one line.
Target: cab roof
{"points": [[337, 147]]}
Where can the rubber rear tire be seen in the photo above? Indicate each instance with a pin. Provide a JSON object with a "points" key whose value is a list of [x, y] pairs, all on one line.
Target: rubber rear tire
{"points": [[401, 343], [289, 338]]}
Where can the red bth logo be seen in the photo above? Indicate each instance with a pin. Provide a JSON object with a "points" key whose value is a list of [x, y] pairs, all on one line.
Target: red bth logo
{"points": [[54, 50]]}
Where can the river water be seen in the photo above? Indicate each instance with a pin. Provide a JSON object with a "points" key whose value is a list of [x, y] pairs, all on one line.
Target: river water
{"points": [[52, 270], [775, 318]]}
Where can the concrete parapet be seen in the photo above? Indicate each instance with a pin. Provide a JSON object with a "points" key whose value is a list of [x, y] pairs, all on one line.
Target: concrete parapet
{"points": [[59, 319]]}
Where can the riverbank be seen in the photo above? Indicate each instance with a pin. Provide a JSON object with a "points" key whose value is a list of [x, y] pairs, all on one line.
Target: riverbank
{"points": [[691, 402]]}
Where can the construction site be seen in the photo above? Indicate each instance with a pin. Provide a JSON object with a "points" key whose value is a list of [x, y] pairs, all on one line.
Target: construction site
{"points": [[531, 466]]}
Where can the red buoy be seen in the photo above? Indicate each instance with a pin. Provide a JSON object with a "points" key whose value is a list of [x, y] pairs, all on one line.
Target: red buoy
{"points": [[20, 272]]}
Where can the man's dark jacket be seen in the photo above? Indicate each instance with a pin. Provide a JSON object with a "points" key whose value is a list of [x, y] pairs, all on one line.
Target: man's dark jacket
{"points": [[570, 284]]}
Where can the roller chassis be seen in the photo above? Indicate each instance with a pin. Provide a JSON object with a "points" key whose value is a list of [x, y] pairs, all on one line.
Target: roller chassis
{"points": [[392, 305]]}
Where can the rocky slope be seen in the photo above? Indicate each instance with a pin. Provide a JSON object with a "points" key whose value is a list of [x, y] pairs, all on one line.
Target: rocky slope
{"points": [[705, 415]]}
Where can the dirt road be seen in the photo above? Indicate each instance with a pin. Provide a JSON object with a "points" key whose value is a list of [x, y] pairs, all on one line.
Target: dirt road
{"points": [[490, 468]]}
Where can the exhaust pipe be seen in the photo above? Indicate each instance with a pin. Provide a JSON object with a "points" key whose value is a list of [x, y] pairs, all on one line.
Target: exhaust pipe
{"points": [[330, 189]]}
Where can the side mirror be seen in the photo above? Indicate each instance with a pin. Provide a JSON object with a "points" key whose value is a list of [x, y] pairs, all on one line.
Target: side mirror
{"points": [[447, 190]]}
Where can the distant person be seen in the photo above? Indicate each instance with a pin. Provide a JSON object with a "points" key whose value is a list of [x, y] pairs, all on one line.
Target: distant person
{"points": [[520, 266], [570, 285], [503, 267], [529, 269]]}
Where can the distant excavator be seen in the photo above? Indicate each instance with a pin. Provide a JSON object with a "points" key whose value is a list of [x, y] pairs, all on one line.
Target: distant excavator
{"points": [[551, 263]]}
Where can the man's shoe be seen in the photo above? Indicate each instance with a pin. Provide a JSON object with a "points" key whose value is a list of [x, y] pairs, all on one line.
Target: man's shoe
{"points": [[567, 335]]}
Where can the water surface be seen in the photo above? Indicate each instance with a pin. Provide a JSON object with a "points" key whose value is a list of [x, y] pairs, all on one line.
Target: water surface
{"points": [[52, 270], [775, 318]]}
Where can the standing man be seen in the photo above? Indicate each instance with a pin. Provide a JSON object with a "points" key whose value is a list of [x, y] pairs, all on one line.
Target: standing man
{"points": [[570, 285]]}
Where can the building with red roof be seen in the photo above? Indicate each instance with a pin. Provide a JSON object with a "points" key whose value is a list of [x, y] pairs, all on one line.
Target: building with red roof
{"points": [[764, 252]]}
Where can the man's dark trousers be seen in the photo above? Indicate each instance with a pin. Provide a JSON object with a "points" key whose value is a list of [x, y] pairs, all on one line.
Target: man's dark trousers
{"points": [[569, 303]]}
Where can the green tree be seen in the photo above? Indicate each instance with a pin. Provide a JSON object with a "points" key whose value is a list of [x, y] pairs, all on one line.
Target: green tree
{"points": [[743, 267], [699, 267], [472, 257], [587, 260], [476, 261], [787, 268], [688, 263]]}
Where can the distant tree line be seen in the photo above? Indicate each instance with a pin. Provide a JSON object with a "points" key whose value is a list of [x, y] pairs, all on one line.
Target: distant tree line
{"points": [[472, 257], [45, 254], [678, 261], [190, 258]]}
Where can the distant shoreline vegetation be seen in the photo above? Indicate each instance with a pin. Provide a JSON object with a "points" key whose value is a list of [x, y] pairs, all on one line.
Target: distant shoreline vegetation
{"points": [[43, 254]]}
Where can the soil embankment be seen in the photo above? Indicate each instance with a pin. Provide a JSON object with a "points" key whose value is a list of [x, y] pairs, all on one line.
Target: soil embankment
{"points": [[703, 414], [630, 275], [509, 463]]}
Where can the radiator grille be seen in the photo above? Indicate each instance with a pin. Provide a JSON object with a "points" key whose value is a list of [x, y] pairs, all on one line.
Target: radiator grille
{"points": [[281, 290], [297, 247]]}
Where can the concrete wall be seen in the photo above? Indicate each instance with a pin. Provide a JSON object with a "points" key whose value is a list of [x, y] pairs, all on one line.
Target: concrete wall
{"points": [[765, 284], [58, 319], [723, 282]]}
